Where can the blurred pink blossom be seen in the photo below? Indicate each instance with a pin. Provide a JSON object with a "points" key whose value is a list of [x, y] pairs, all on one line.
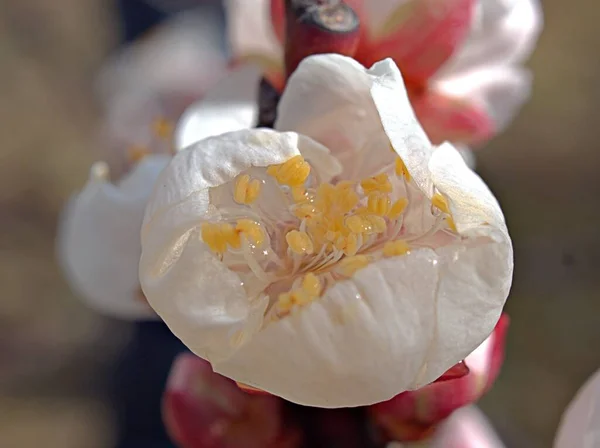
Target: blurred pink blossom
{"points": [[205, 410], [461, 59]]}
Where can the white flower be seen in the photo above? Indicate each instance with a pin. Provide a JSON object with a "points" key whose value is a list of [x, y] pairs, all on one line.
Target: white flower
{"points": [[99, 243], [337, 264], [461, 59], [144, 91], [146, 87], [580, 424]]}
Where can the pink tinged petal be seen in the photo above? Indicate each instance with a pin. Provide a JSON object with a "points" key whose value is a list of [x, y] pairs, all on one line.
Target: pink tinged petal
{"points": [[580, 424], [427, 37], [445, 118], [382, 14], [455, 372], [499, 91], [204, 410], [505, 34], [466, 428]]}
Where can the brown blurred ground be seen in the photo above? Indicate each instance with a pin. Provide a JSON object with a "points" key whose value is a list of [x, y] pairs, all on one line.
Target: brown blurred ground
{"points": [[53, 352]]}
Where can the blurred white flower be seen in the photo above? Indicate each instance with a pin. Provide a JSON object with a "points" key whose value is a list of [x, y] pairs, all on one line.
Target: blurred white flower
{"points": [[338, 264], [580, 424], [461, 59], [144, 90], [99, 242], [467, 427]]}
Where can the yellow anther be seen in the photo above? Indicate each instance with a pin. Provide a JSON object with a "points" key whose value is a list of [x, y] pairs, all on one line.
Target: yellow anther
{"points": [[306, 211], [333, 236], [213, 237], [318, 232], [451, 223], [285, 302], [339, 242], [351, 245], [397, 208], [299, 242], [246, 191], [345, 199], [299, 194], [378, 204], [358, 224], [163, 128], [348, 266], [378, 224], [311, 285], [136, 153], [440, 202], [325, 198], [380, 183], [366, 224], [299, 297], [401, 169], [294, 172], [395, 248], [230, 235], [251, 230]]}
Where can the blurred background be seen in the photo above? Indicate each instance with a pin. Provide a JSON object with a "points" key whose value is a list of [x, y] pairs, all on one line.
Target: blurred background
{"points": [[54, 352]]}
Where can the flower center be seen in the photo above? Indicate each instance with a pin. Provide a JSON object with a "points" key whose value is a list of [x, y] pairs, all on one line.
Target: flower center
{"points": [[291, 237]]}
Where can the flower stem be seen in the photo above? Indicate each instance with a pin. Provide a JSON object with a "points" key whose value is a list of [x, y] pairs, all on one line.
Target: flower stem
{"points": [[317, 27]]}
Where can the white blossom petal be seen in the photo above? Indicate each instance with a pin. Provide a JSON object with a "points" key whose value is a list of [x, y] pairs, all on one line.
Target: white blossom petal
{"points": [[361, 343], [99, 243], [580, 424], [179, 274], [329, 98], [250, 31], [230, 106], [505, 34]]}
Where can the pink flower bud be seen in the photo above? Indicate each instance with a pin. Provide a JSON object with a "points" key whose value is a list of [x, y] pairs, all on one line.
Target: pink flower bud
{"points": [[202, 409], [414, 415]]}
